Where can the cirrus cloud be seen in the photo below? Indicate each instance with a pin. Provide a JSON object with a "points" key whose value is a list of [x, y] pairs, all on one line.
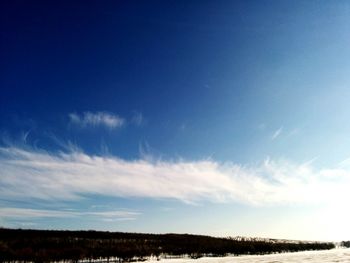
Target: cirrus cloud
{"points": [[26, 213], [277, 133], [95, 119], [29, 173]]}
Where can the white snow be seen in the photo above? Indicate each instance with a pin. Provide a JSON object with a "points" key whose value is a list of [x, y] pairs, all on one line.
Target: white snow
{"points": [[324, 256]]}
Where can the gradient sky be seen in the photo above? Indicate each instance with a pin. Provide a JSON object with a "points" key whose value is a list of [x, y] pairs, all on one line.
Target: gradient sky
{"points": [[212, 117]]}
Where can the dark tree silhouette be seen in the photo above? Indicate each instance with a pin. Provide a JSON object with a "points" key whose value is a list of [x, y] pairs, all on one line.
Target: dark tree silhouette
{"points": [[48, 245]]}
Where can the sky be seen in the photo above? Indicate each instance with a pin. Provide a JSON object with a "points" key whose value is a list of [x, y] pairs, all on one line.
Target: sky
{"points": [[223, 118]]}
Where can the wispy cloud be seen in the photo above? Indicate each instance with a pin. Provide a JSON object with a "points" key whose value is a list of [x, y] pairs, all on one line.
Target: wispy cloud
{"points": [[95, 119], [28, 173], [294, 131], [344, 163], [276, 133], [27, 213], [137, 118]]}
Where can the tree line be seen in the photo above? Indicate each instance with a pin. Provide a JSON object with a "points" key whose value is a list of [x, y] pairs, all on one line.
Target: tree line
{"points": [[345, 243], [72, 246]]}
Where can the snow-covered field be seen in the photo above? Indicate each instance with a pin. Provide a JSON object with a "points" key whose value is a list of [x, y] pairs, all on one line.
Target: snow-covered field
{"points": [[324, 256]]}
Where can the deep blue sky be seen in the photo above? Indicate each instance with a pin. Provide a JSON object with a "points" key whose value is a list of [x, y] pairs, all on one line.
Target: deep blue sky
{"points": [[236, 83]]}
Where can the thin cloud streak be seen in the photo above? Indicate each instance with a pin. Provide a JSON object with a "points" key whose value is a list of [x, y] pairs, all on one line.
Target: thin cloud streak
{"points": [[276, 133], [29, 173], [25, 213], [95, 119], [138, 119]]}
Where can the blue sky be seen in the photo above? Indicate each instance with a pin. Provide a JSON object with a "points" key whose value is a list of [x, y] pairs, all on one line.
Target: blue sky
{"points": [[212, 117]]}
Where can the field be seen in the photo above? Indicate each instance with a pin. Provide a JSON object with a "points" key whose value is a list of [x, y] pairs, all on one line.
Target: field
{"points": [[324, 256]]}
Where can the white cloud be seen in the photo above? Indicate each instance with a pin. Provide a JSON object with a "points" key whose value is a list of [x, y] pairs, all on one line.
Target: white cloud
{"points": [[97, 119], [27, 213], [345, 163], [27, 173], [276, 133]]}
